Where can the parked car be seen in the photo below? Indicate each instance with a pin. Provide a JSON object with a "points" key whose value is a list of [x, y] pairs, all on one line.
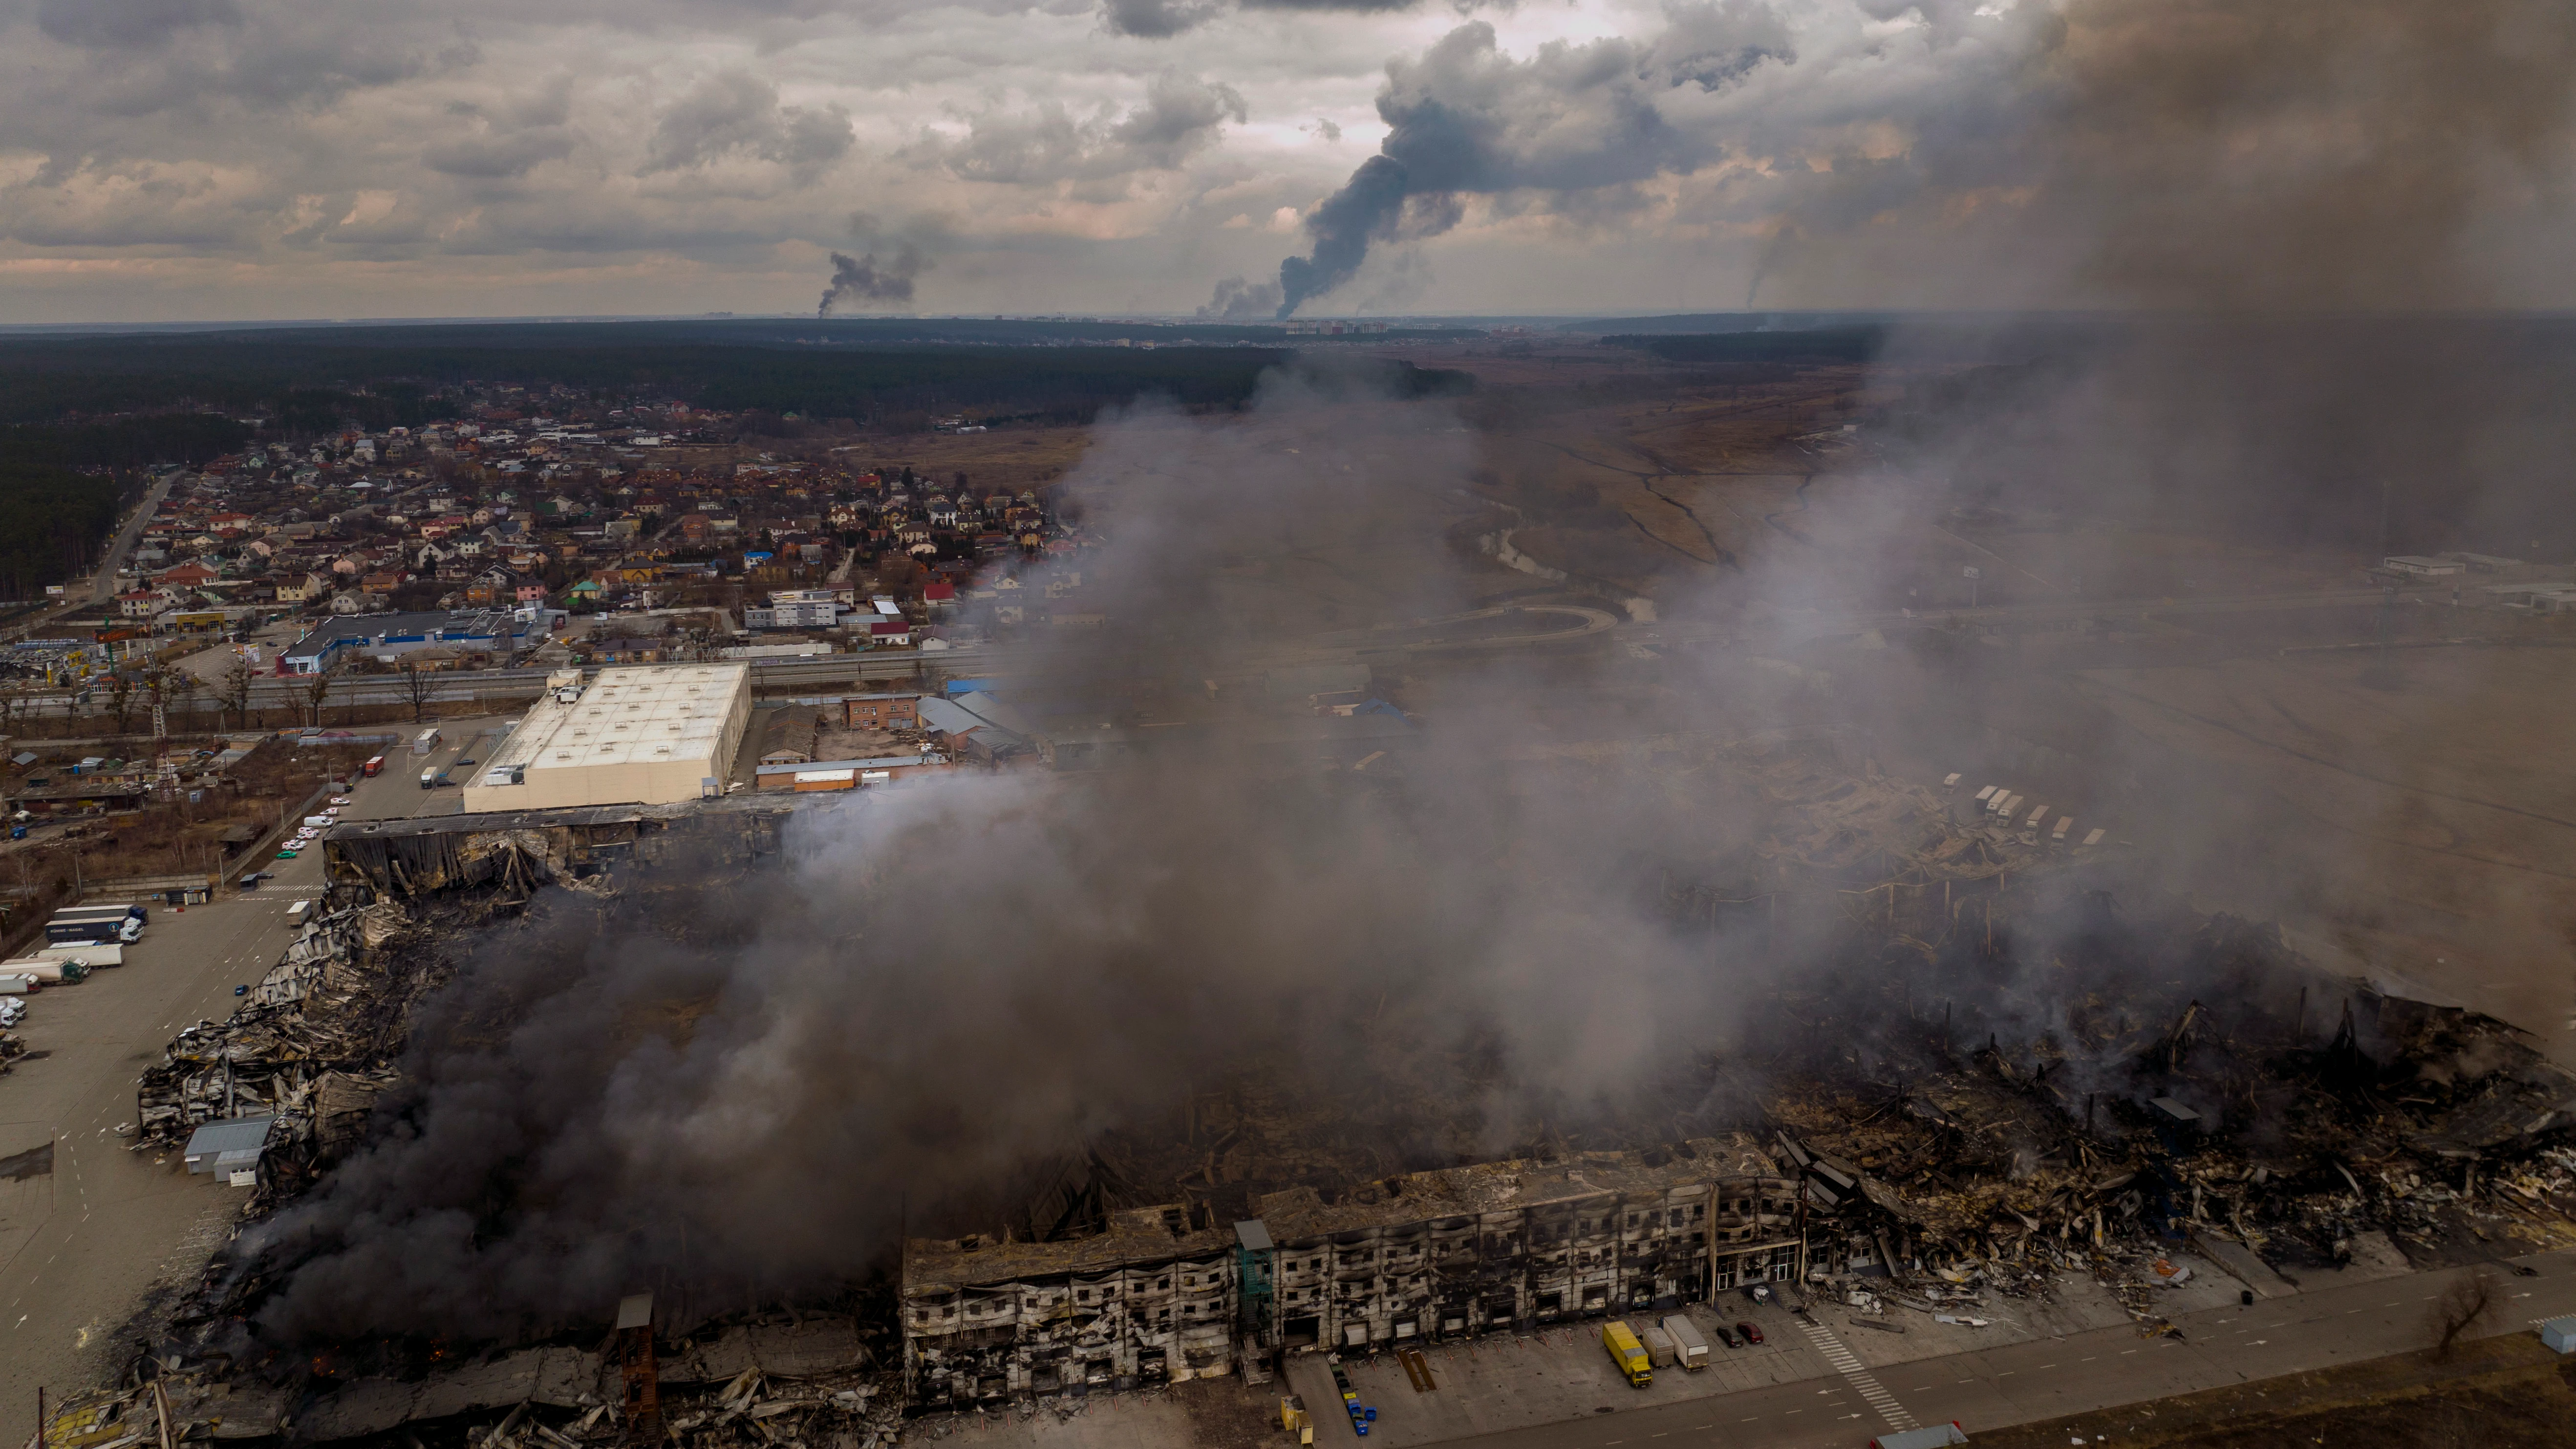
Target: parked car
{"points": [[1723, 1336], [1751, 1333], [286, 854]]}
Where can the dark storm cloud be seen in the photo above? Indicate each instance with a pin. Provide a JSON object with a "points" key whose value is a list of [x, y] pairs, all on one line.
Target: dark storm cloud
{"points": [[1155, 19], [493, 157], [104, 24], [1178, 117], [1162, 19], [735, 113]]}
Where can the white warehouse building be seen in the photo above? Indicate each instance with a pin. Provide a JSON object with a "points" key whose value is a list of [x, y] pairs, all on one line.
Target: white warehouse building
{"points": [[648, 735]]}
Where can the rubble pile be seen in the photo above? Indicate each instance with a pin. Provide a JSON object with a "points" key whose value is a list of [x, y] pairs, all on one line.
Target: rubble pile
{"points": [[761, 1382], [312, 1045], [2005, 1082], [1998, 1140]]}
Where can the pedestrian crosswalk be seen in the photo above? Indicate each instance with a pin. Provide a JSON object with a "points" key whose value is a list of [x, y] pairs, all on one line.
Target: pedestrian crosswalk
{"points": [[1858, 1376]]}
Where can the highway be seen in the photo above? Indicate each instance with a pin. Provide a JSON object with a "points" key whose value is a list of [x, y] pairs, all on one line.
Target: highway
{"points": [[501, 688]]}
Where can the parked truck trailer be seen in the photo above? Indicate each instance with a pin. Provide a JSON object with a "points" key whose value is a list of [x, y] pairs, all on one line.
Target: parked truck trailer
{"points": [[1628, 1353]]}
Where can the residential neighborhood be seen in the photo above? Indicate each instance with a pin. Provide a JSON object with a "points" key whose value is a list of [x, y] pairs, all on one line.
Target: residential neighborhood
{"points": [[564, 528]]}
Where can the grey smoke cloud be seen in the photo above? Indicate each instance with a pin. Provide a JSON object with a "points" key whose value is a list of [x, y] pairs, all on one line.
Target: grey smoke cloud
{"points": [[735, 1088], [1239, 300], [1466, 119], [866, 279]]}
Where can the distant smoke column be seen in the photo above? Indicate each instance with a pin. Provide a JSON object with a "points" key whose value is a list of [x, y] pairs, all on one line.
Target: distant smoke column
{"points": [[861, 279], [1364, 210]]}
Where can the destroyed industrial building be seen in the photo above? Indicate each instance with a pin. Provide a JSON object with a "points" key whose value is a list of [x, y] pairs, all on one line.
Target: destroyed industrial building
{"points": [[1999, 1075]]}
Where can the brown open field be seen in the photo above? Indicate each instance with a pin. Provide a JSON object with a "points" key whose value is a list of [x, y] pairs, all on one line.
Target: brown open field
{"points": [[1009, 459], [2499, 1393]]}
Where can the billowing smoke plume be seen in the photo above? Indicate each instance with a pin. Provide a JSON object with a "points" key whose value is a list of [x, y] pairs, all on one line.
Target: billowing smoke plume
{"points": [[866, 280], [1573, 122], [2108, 152], [1450, 946], [737, 1090], [1237, 299]]}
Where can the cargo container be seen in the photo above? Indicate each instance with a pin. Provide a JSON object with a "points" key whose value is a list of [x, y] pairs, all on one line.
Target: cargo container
{"points": [[1690, 1348], [49, 973], [1930, 1436], [375, 766], [96, 955], [104, 932], [424, 742], [1628, 1353], [107, 912], [297, 913], [15, 985]]}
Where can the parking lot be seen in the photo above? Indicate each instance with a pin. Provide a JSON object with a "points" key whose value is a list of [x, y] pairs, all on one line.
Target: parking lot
{"points": [[87, 1226]]}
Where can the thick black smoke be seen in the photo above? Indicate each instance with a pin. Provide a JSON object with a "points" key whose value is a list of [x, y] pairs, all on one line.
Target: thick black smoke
{"points": [[1571, 123], [734, 1091], [865, 279], [1236, 299]]}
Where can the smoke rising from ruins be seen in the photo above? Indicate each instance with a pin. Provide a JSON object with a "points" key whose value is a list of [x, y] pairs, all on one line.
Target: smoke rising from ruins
{"points": [[955, 986], [741, 1087], [866, 279]]}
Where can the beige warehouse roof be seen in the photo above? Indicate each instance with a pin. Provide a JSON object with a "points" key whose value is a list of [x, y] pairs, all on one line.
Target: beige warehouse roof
{"points": [[648, 734]]}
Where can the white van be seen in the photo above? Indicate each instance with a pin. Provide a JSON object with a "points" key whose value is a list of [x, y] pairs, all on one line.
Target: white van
{"points": [[298, 913]]}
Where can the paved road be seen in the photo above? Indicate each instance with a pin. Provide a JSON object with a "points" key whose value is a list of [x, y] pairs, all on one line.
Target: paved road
{"points": [[103, 583], [1845, 1405]]}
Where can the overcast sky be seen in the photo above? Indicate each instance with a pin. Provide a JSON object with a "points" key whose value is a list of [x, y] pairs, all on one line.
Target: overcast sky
{"points": [[177, 159]]}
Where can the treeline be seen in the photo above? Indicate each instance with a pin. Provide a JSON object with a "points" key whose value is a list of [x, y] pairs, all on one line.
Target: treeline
{"points": [[308, 381], [60, 485], [138, 441], [53, 521]]}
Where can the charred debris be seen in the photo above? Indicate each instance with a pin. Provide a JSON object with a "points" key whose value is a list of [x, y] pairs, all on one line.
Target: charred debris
{"points": [[2005, 1080]]}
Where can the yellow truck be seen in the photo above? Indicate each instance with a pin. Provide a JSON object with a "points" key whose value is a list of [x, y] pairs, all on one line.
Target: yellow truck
{"points": [[1628, 1353]]}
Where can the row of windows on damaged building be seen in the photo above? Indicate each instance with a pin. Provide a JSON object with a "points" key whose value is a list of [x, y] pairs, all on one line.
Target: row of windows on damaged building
{"points": [[1166, 1294]]}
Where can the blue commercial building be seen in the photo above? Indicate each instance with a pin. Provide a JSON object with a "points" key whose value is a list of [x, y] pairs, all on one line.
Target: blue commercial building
{"points": [[392, 635]]}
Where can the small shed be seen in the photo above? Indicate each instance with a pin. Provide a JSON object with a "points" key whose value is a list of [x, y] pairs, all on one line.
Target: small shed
{"points": [[230, 1146]]}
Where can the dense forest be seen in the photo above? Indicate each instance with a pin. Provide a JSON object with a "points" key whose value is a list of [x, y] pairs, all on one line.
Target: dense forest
{"points": [[307, 380], [53, 521]]}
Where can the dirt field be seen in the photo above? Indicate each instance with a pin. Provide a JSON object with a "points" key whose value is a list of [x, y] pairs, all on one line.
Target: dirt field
{"points": [[2503, 1393], [1010, 459]]}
